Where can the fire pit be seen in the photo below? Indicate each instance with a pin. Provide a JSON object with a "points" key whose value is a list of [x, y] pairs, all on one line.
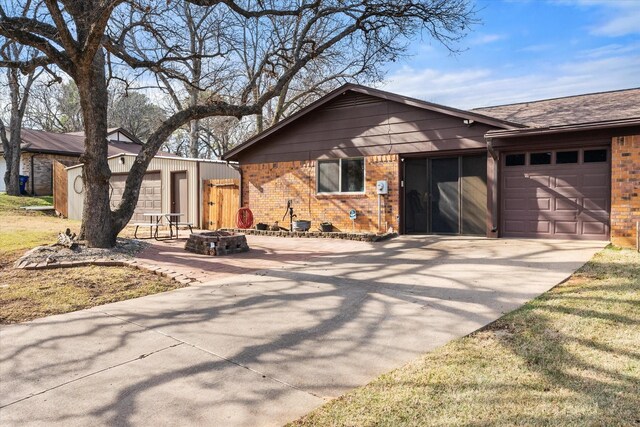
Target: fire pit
{"points": [[217, 243]]}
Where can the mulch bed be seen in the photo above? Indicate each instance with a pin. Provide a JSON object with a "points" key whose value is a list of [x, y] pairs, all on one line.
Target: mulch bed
{"points": [[55, 256], [361, 237]]}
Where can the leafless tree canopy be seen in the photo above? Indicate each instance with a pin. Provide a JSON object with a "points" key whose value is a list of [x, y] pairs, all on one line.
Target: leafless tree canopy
{"points": [[239, 56]]}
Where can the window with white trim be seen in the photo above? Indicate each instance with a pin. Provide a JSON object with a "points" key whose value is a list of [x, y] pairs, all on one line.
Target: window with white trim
{"points": [[340, 176]]}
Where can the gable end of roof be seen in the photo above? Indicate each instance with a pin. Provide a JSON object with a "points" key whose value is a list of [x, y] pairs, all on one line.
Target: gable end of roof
{"points": [[377, 93]]}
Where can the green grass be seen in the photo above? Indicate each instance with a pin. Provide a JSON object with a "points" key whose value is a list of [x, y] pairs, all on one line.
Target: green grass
{"points": [[21, 230], [16, 202], [569, 357]]}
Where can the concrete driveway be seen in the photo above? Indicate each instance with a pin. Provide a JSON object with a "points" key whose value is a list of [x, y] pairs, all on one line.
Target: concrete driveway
{"points": [[310, 320]]}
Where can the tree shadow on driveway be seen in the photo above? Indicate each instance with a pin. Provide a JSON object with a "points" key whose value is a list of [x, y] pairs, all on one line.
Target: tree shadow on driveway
{"points": [[273, 344]]}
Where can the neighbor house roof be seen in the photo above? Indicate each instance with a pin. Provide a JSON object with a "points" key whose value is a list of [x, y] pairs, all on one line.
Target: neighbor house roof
{"points": [[570, 110], [349, 87], [111, 131], [72, 144]]}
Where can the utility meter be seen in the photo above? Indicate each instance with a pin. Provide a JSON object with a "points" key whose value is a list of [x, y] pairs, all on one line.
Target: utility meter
{"points": [[382, 187]]}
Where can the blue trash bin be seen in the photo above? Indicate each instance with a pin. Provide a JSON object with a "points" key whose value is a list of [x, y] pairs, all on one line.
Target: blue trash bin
{"points": [[23, 184]]}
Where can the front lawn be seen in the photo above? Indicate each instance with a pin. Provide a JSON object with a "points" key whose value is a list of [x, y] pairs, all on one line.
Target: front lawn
{"points": [[21, 230], [569, 357], [27, 294]]}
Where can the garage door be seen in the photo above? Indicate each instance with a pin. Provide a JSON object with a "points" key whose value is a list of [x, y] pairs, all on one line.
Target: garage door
{"points": [[556, 194], [150, 199]]}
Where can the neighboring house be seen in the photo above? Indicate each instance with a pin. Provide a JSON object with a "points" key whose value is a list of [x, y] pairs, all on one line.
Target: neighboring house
{"points": [[540, 169], [39, 149], [171, 184]]}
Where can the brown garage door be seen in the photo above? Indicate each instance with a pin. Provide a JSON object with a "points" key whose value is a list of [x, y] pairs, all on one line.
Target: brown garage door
{"points": [[556, 194], [150, 199]]}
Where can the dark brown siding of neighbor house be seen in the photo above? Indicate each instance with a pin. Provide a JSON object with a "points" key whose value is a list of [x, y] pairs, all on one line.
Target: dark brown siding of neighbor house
{"points": [[355, 124]]}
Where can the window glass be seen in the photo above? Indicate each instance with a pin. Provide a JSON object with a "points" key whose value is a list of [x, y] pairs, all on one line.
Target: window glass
{"points": [[352, 175], [540, 159], [563, 157], [593, 156], [515, 160], [328, 176]]}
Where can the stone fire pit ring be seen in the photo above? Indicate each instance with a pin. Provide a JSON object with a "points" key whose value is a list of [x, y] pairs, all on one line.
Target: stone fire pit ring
{"points": [[216, 243]]}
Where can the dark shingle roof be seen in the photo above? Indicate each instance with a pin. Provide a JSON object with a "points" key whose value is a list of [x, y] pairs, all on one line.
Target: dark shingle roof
{"points": [[72, 144], [588, 108], [65, 143]]}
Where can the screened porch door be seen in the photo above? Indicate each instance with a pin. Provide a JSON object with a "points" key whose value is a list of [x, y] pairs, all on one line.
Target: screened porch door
{"points": [[445, 195]]}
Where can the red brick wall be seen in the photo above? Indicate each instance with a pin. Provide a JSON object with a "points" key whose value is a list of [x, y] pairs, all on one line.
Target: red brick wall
{"points": [[266, 187], [625, 189]]}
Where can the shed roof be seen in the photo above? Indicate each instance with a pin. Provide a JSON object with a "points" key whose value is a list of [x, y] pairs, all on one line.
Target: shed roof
{"points": [[162, 156], [570, 110], [468, 115]]}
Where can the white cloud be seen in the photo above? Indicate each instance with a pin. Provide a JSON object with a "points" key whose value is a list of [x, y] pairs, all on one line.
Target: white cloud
{"points": [[482, 87], [620, 17], [536, 48], [610, 50], [487, 38]]}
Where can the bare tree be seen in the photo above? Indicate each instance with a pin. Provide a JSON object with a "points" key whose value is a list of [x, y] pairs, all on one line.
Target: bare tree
{"points": [[54, 107], [19, 89], [78, 35], [135, 112]]}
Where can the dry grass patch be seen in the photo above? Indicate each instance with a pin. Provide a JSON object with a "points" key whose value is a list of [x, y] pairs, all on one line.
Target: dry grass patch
{"points": [[569, 357], [28, 294]]}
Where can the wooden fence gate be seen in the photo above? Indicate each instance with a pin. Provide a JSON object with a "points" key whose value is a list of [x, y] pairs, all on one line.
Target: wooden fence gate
{"points": [[60, 196], [221, 201]]}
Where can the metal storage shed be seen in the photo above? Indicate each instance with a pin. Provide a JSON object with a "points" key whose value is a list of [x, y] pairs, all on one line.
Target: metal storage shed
{"points": [[169, 180]]}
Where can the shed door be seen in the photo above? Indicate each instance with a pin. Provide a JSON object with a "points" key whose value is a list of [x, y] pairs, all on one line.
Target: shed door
{"points": [[179, 194], [150, 199], [556, 194]]}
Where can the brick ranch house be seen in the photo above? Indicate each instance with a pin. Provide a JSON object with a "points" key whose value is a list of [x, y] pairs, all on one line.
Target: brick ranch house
{"points": [[560, 168], [39, 149]]}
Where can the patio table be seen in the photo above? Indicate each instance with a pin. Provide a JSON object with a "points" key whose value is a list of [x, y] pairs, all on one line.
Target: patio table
{"points": [[155, 220]]}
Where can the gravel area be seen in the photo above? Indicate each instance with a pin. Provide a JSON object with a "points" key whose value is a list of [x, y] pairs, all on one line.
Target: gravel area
{"points": [[125, 249]]}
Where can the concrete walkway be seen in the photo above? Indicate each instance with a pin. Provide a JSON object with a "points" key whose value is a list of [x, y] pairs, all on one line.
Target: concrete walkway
{"points": [[270, 334]]}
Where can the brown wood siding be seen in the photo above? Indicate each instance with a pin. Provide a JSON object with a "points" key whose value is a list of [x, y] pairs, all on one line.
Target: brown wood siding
{"points": [[360, 125], [221, 201], [60, 196]]}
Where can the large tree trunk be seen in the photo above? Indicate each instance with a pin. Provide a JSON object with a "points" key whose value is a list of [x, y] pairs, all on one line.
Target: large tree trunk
{"points": [[11, 146], [12, 174], [194, 138], [97, 221]]}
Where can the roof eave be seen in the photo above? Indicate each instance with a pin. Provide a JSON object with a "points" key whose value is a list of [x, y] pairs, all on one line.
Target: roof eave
{"points": [[609, 124]]}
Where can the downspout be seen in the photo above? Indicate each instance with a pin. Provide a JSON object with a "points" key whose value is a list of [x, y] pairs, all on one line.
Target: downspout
{"points": [[494, 184], [239, 169]]}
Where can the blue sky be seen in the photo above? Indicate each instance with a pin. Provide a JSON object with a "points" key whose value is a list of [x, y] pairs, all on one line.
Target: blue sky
{"points": [[528, 50]]}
